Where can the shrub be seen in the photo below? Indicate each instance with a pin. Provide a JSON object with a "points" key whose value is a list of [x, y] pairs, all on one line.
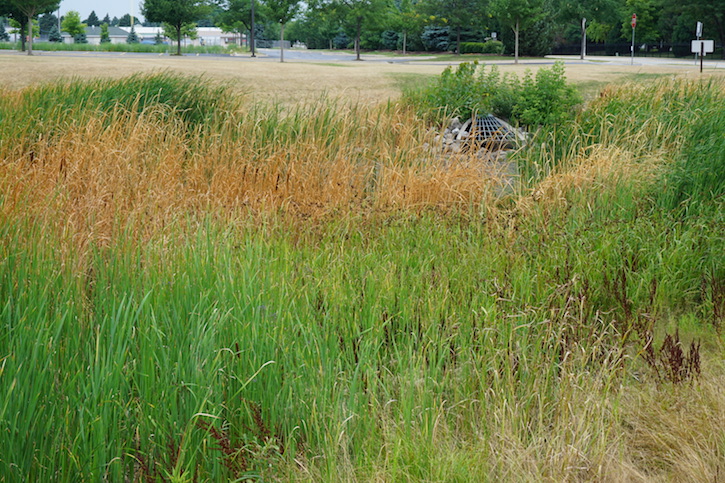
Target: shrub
{"points": [[471, 47], [543, 99], [490, 47], [493, 47]]}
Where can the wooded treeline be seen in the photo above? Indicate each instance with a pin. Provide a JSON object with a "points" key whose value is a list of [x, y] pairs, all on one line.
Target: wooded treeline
{"points": [[542, 26]]}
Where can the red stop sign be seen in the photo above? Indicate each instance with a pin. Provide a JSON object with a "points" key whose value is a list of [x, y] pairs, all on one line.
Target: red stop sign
{"points": [[634, 20]]}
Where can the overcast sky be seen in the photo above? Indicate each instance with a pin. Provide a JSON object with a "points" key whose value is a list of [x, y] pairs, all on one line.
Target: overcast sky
{"points": [[114, 8]]}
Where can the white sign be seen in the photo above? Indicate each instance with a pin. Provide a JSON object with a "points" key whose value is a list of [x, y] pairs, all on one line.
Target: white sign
{"points": [[698, 33], [702, 46]]}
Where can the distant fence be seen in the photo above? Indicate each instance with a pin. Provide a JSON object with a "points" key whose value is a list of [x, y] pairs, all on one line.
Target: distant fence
{"points": [[681, 49]]}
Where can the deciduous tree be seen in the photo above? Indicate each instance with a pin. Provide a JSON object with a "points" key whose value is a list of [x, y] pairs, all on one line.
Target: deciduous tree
{"points": [[710, 12], [457, 14], [176, 13], [188, 30], [29, 9], [517, 15], [235, 16], [282, 11], [357, 14], [72, 24], [105, 37]]}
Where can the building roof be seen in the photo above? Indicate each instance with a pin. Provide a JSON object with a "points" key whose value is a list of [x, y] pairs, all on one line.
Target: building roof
{"points": [[112, 32]]}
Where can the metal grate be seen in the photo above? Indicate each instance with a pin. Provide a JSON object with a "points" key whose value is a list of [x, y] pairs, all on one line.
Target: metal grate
{"points": [[490, 129]]}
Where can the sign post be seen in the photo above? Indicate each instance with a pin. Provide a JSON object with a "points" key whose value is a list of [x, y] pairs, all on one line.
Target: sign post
{"points": [[634, 24], [702, 47], [584, 38]]}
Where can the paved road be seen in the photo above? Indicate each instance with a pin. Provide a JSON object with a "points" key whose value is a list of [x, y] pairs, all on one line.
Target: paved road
{"points": [[316, 56], [319, 56]]}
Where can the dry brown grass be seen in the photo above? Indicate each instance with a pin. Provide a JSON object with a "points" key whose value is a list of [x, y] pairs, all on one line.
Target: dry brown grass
{"points": [[290, 83], [141, 174]]}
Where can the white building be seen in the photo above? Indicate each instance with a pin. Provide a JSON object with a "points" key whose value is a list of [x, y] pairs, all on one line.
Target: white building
{"points": [[119, 35], [205, 36], [93, 35]]}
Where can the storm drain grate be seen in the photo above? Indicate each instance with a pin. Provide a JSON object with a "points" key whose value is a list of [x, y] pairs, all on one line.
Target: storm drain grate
{"points": [[491, 129]]}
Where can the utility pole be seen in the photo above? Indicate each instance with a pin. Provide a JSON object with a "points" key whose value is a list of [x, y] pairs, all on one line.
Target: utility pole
{"points": [[584, 38]]}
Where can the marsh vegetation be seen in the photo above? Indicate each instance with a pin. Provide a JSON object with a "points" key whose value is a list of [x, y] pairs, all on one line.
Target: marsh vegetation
{"points": [[194, 287]]}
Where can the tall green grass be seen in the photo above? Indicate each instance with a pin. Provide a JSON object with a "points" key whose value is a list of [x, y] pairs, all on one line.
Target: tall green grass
{"points": [[142, 48], [471, 343]]}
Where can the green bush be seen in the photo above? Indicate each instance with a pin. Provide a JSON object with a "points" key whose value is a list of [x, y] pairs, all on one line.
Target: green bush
{"points": [[544, 99], [490, 47], [471, 47], [493, 47]]}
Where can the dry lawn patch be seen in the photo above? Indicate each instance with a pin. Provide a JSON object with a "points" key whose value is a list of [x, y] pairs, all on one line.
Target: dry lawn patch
{"points": [[289, 83]]}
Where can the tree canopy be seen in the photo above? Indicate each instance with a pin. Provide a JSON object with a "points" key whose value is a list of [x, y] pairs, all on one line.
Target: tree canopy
{"points": [[176, 13], [282, 11], [72, 24], [24, 11], [92, 20]]}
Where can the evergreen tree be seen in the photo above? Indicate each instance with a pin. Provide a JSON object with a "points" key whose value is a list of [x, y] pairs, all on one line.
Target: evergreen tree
{"points": [[115, 22], [125, 21], [106, 20], [4, 37], [46, 23], [80, 38], [54, 34], [132, 37], [92, 20]]}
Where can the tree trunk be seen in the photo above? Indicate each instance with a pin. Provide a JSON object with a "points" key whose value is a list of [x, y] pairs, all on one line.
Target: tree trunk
{"points": [[516, 43], [357, 38], [405, 40], [251, 33], [281, 42], [178, 39], [458, 40], [30, 35]]}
